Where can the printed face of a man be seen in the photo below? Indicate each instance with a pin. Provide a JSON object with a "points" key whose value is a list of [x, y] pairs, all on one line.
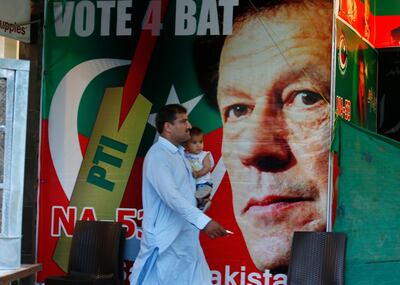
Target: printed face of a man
{"points": [[275, 111]]}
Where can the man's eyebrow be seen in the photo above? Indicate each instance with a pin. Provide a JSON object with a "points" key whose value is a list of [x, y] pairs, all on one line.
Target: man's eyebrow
{"points": [[311, 72], [314, 72], [237, 92]]}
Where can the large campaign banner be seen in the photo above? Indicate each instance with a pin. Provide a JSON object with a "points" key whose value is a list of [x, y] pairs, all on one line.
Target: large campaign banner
{"points": [[356, 78], [253, 75]]}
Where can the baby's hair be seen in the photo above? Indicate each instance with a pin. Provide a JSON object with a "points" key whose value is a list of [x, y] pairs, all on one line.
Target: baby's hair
{"points": [[195, 131]]}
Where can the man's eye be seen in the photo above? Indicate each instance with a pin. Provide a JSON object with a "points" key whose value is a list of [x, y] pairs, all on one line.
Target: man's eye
{"points": [[307, 98], [237, 111]]}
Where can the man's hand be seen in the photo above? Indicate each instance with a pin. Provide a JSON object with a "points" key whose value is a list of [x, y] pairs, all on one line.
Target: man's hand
{"points": [[213, 230]]}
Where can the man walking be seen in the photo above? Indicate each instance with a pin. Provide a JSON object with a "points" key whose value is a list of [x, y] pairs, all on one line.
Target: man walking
{"points": [[170, 251]]}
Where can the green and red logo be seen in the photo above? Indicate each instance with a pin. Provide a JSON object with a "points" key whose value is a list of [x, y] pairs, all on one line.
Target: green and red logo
{"points": [[342, 53]]}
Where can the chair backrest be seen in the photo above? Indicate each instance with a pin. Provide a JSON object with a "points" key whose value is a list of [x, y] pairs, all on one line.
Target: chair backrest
{"points": [[317, 258], [96, 250]]}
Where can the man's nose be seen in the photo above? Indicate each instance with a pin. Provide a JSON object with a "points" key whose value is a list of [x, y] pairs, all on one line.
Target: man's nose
{"points": [[267, 148], [189, 125]]}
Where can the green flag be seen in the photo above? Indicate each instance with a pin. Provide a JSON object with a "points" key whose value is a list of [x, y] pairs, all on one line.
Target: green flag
{"points": [[368, 204]]}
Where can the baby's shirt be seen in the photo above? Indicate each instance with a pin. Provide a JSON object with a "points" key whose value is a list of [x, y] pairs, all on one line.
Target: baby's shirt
{"points": [[196, 161]]}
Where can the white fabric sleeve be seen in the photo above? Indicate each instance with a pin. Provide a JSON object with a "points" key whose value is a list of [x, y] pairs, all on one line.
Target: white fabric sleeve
{"points": [[211, 159], [165, 186]]}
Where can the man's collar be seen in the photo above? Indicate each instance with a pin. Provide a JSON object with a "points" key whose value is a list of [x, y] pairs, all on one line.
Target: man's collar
{"points": [[169, 145]]}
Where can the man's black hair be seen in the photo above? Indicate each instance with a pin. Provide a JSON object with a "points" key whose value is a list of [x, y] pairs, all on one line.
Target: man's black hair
{"points": [[168, 113]]}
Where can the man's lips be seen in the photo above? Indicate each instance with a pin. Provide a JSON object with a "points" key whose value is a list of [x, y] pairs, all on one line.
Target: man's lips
{"points": [[275, 200]]}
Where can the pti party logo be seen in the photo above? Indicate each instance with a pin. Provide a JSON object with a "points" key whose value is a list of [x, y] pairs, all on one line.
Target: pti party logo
{"points": [[342, 54]]}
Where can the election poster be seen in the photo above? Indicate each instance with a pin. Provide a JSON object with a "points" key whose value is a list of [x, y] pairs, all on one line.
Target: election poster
{"points": [[253, 75], [356, 78]]}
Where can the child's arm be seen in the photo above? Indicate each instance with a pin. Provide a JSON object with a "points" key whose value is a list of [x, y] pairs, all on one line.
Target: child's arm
{"points": [[206, 167]]}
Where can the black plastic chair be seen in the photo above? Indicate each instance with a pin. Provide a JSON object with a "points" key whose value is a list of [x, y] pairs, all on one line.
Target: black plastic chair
{"points": [[96, 255], [317, 258]]}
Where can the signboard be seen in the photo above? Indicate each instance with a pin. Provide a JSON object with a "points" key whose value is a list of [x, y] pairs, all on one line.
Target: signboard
{"points": [[14, 19]]}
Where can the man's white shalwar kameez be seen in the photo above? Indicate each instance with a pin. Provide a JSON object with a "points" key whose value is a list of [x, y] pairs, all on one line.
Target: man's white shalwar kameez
{"points": [[170, 251]]}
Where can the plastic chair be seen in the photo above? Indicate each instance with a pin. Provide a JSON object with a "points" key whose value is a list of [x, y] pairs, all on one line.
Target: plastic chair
{"points": [[96, 255], [317, 258]]}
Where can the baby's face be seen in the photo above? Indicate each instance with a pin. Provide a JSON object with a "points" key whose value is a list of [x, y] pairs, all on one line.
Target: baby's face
{"points": [[195, 144]]}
